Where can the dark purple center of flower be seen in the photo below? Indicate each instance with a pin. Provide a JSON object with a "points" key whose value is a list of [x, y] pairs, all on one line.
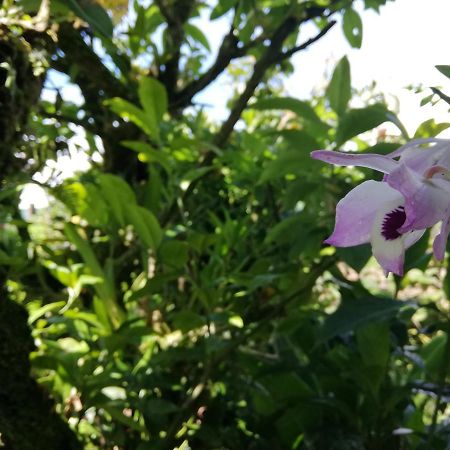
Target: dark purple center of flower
{"points": [[392, 222]]}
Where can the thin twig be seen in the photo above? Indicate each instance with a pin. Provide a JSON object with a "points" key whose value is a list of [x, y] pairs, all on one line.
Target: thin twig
{"points": [[228, 50], [305, 45], [259, 70]]}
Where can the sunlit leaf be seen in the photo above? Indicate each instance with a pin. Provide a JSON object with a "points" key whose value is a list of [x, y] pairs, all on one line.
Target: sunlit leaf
{"points": [[352, 26], [445, 70], [339, 89]]}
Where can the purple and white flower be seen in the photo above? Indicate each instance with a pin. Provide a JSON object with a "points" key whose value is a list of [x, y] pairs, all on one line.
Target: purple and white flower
{"points": [[394, 213]]}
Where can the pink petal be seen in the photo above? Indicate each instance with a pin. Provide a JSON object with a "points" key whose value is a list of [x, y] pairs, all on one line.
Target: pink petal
{"points": [[370, 160], [427, 201], [415, 143], [355, 213], [420, 158], [440, 241]]}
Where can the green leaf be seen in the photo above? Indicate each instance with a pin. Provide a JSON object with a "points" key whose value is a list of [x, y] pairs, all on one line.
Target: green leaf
{"points": [[117, 414], [438, 92], [430, 128], [294, 157], [86, 201], [153, 19], [85, 250], [302, 109], [283, 229], [174, 253], [104, 290], [374, 4], [43, 310], [187, 320], [194, 174], [356, 121], [418, 256], [339, 89], [134, 114], [118, 195], [373, 345], [196, 34], [288, 162], [433, 354], [153, 98], [222, 7], [354, 313], [149, 153], [445, 70], [94, 15], [355, 257], [352, 26], [236, 321], [299, 140], [286, 387], [145, 225], [10, 191]]}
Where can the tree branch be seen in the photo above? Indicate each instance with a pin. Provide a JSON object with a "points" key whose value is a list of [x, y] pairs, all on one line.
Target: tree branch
{"points": [[228, 50], [175, 17], [95, 80], [287, 54], [259, 70], [273, 55]]}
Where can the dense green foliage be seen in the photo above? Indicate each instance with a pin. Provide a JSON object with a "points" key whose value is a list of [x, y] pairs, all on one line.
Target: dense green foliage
{"points": [[178, 291]]}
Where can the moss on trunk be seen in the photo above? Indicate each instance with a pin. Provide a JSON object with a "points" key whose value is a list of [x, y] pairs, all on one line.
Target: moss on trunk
{"points": [[27, 417]]}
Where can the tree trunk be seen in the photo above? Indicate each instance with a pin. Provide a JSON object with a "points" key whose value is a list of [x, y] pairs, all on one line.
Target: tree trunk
{"points": [[27, 417]]}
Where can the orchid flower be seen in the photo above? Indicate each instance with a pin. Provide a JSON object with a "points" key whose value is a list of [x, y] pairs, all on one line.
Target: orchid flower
{"points": [[394, 213]]}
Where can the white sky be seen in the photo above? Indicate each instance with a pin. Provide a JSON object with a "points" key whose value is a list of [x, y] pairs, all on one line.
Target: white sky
{"points": [[401, 46]]}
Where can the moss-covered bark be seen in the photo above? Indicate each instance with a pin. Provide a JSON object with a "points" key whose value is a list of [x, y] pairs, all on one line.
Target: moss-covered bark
{"points": [[28, 420], [21, 78], [27, 417]]}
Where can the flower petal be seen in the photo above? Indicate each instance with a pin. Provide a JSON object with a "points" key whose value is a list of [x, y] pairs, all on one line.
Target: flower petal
{"points": [[415, 143], [412, 237], [388, 251], [427, 201], [356, 212], [440, 241], [420, 158], [389, 254], [370, 160]]}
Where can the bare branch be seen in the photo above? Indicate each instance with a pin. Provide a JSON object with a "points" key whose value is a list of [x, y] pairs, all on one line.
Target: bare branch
{"points": [[165, 11], [176, 16], [273, 55], [287, 54], [228, 50], [268, 58]]}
